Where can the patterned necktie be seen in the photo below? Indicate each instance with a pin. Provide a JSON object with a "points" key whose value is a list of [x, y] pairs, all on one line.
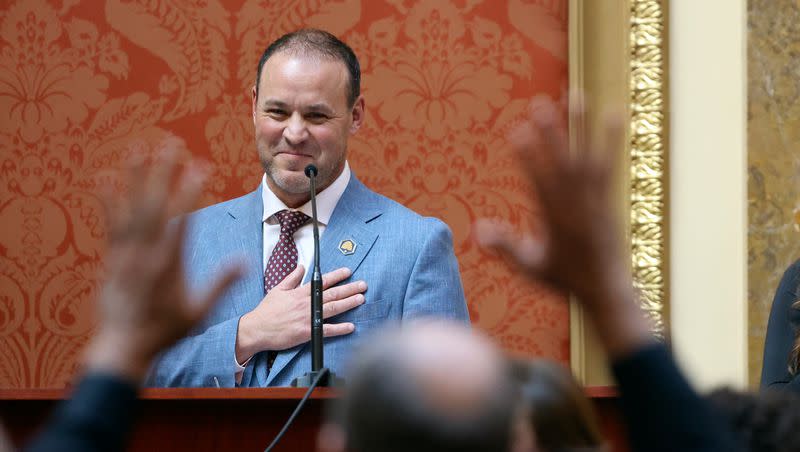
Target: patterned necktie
{"points": [[283, 259], [284, 256]]}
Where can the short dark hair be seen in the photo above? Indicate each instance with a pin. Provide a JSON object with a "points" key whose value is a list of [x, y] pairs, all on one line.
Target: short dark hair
{"points": [[312, 41], [764, 422], [560, 414], [384, 410]]}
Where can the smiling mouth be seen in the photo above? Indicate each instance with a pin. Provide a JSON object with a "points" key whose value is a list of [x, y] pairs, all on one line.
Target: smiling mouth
{"points": [[294, 154]]}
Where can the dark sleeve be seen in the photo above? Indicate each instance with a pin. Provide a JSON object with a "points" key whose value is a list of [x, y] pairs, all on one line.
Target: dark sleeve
{"points": [[98, 417], [781, 332], [793, 384], [662, 412]]}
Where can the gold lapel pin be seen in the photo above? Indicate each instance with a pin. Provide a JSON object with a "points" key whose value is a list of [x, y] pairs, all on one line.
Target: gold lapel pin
{"points": [[347, 247]]}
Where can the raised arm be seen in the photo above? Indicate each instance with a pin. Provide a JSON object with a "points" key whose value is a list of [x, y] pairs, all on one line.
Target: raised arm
{"points": [[580, 249], [143, 308]]}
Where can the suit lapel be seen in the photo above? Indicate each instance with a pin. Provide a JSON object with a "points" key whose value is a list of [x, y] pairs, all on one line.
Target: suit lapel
{"points": [[349, 221], [243, 230], [243, 227]]}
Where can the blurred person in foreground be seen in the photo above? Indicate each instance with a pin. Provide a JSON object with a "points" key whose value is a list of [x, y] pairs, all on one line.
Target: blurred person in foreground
{"points": [[430, 386], [763, 422], [554, 413], [781, 364], [579, 248], [144, 306]]}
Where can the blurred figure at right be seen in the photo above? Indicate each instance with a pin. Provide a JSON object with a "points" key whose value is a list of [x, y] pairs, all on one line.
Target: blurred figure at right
{"points": [[763, 422], [782, 346], [578, 247], [555, 415]]}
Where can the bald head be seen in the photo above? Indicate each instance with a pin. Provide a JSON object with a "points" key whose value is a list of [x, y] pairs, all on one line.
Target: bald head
{"points": [[454, 369], [430, 386]]}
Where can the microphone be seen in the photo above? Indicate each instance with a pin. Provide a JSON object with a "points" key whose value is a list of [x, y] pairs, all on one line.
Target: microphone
{"points": [[316, 278], [311, 173], [317, 359]]}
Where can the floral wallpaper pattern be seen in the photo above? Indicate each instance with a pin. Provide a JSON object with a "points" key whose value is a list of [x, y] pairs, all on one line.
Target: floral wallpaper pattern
{"points": [[87, 84]]}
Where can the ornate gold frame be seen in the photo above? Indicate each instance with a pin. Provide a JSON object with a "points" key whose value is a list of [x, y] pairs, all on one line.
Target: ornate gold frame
{"points": [[618, 56]]}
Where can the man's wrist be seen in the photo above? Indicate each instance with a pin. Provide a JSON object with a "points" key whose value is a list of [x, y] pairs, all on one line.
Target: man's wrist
{"points": [[115, 353], [246, 342], [620, 322], [623, 333]]}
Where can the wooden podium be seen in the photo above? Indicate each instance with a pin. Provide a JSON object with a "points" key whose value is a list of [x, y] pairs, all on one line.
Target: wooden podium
{"points": [[241, 420]]}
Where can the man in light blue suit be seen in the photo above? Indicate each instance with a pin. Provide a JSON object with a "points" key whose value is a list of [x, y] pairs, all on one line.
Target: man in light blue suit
{"points": [[380, 261]]}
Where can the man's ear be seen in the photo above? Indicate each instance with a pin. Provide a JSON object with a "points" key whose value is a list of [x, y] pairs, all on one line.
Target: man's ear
{"points": [[255, 101], [331, 438], [358, 114]]}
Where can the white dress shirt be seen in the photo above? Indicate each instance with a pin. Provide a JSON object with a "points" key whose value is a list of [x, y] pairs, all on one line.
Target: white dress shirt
{"points": [[304, 237]]}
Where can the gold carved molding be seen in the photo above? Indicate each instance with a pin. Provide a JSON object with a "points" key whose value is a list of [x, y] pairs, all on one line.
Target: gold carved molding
{"points": [[648, 158], [618, 57]]}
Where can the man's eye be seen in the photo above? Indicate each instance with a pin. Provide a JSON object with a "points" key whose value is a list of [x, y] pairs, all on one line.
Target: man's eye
{"points": [[316, 116], [276, 112]]}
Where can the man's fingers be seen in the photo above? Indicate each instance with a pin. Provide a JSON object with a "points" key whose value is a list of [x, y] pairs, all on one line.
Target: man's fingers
{"points": [[189, 190], [200, 310], [613, 144], [150, 213], [340, 292], [332, 278], [554, 151], [525, 140], [494, 235], [293, 279], [337, 329], [190, 187], [161, 175], [528, 251], [540, 146], [526, 143], [490, 232], [577, 121], [136, 176], [339, 306], [172, 241], [523, 250], [115, 214]]}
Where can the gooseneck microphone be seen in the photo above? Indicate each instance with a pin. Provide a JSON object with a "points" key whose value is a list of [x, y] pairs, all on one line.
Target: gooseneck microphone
{"points": [[316, 279], [319, 375], [317, 359]]}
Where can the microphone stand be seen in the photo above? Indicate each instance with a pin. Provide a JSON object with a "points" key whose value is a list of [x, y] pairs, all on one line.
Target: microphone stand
{"points": [[317, 359]]}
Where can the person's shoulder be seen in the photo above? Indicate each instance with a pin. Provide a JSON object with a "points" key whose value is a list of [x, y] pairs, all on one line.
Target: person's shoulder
{"points": [[791, 279], [397, 213], [229, 207], [788, 293], [794, 268]]}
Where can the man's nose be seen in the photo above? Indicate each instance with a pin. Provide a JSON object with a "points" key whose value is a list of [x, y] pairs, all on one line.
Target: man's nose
{"points": [[295, 131]]}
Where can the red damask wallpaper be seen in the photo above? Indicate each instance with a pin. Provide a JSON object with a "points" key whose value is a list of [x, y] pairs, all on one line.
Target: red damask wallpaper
{"points": [[85, 84]]}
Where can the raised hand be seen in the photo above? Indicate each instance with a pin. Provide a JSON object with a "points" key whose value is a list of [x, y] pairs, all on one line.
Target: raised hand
{"points": [[144, 304], [580, 247]]}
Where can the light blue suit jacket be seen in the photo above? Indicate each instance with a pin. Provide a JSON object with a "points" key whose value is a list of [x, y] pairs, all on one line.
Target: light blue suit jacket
{"points": [[407, 261]]}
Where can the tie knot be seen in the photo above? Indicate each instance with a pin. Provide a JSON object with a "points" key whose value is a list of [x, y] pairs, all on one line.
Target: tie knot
{"points": [[291, 220]]}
